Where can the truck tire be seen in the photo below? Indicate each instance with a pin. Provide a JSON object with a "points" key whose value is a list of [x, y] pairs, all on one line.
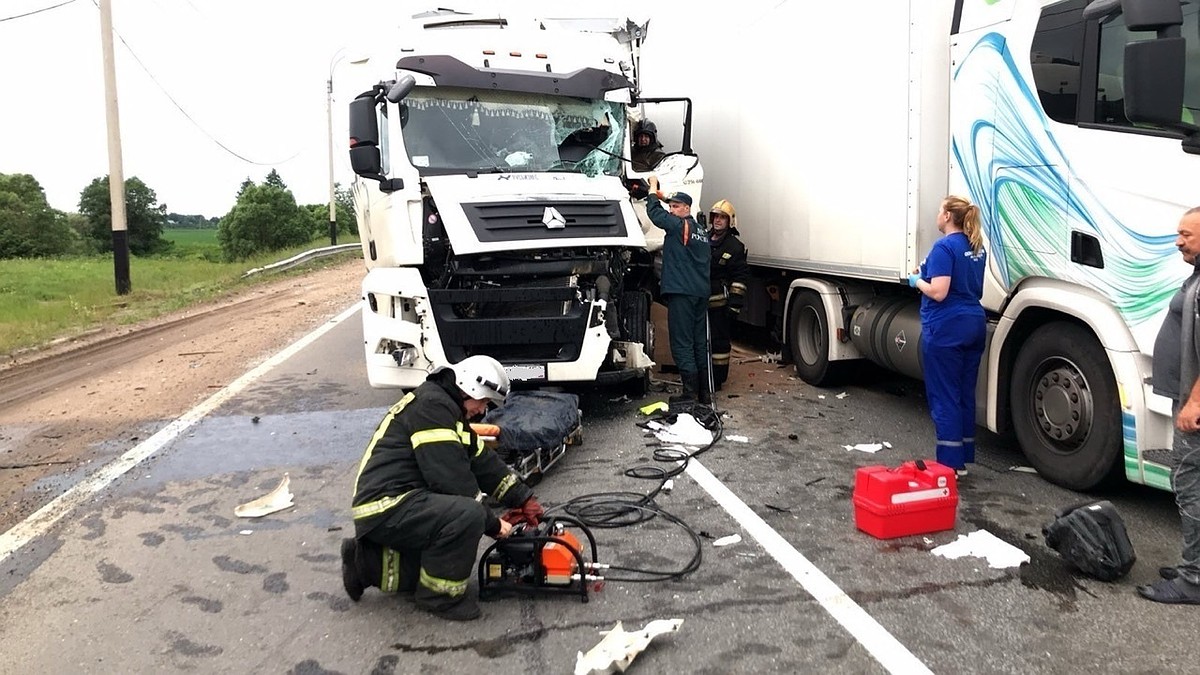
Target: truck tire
{"points": [[637, 327], [1065, 408], [808, 337]]}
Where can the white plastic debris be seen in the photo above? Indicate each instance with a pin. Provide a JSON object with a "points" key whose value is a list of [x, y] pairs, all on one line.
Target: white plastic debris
{"points": [[737, 439], [865, 447], [1023, 469], [618, 648], [887, 445], [983, 544], [685, 431], [246, 532], [726, 541], [276, 500], [843, 395], [821, 396]]}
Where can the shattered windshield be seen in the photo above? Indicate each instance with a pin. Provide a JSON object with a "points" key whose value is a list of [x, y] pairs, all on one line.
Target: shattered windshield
{"points": [[454, 129]]}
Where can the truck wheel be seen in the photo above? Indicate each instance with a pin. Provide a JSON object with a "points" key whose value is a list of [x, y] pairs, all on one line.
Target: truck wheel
{"points": [[1065, 408], [808, 336], [636, 324]]}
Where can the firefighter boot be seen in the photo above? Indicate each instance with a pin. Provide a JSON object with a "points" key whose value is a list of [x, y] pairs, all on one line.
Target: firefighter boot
{"points": [[350, 579], [464, 608]]}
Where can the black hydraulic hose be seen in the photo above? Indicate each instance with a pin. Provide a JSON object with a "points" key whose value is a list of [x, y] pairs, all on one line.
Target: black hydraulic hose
{"points": [[622, 509]]}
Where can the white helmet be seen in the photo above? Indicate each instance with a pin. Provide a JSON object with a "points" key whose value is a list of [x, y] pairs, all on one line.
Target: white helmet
{"points": [[480, 377]]}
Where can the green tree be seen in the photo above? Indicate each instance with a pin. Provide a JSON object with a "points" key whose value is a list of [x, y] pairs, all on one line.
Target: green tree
{"points": [[144, 216], [345, 218], [265, 218], [345, 201], [29, 227], [274, 180], [191, 221]]}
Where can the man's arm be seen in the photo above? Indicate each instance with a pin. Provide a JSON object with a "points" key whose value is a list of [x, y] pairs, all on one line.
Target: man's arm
{"points": [[1188, 419], [739, 277], [657, 214]]}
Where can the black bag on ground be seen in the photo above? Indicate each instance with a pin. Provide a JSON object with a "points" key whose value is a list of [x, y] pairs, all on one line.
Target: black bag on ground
{"points": [[1092, 537]]}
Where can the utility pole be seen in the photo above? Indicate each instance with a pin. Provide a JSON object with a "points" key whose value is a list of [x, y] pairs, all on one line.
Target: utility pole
{"points": [[116, 176], [329, 116]]}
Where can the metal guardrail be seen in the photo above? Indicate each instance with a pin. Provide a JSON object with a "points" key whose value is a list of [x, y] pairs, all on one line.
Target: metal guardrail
{"points": [[301, 258]]}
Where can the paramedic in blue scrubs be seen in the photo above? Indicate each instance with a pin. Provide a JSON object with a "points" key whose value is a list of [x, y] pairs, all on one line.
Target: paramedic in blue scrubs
{"points": [[953, 328]]}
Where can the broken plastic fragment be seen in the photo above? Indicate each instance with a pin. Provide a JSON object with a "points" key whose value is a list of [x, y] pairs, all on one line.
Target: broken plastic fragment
{"points": [[618, 648], [983, 544], [685, 431], [654, 407], [726, 541], [1022, 469], [737, 439], [865, 447], [276, 500], [843, 395]]}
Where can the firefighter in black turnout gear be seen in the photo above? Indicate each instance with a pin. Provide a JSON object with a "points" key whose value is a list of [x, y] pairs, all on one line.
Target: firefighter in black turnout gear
{"points": [[418, 497], [647, 151], [728, 277]]}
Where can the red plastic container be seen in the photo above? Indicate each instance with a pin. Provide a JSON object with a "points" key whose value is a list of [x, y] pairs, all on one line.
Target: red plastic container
{"points": [[914, 498]]}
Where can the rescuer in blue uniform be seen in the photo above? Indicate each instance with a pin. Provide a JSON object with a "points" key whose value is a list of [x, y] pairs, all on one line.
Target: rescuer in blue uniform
{"points": [[953, 328], [685, 288]]}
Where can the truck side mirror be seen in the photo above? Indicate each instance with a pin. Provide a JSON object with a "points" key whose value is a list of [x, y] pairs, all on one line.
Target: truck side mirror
{"points": [[365, 158], [1154, 78], [364, 137]]}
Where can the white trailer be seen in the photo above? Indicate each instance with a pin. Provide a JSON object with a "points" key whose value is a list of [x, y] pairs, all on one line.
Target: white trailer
{"points": [[838, 127], [493, 200]]}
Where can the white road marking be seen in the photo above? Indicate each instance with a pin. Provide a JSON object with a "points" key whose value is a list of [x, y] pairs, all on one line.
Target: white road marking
{"points": [[886, 649], [44, 518]]}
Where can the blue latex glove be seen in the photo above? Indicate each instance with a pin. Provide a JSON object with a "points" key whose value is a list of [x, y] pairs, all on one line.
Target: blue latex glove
{"points": [[913, 279]]}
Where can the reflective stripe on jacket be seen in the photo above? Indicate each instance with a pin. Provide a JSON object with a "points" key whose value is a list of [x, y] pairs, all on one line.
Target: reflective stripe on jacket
{"points": [[425, 443]]}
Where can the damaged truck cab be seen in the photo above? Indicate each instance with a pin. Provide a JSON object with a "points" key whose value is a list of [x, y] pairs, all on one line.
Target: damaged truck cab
{"points": [[493, 208]]}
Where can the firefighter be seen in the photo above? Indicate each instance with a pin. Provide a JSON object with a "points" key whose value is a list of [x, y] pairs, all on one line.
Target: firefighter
{"points": [[728, 275], [418, 497], [647, 151]]}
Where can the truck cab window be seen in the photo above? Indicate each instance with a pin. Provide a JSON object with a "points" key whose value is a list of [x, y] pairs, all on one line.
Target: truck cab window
{"points": [[1109, 99], [1055, 59], [450, 129]]}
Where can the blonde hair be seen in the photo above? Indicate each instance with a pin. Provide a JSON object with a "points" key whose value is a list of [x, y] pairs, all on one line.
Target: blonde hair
{"points": [[965, 216]]}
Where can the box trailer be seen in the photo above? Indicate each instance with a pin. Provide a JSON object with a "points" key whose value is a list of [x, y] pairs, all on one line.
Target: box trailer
{"points": [[837, 128]]}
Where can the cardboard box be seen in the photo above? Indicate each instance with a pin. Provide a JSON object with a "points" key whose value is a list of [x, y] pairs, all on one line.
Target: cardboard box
{"points": [[916, 497]]}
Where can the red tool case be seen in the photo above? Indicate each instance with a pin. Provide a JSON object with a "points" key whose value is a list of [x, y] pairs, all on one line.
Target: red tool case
{"points": [[914, 498]]}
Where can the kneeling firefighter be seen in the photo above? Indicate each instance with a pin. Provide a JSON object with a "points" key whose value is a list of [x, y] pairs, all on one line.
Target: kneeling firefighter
{"points": [[418, 498]]}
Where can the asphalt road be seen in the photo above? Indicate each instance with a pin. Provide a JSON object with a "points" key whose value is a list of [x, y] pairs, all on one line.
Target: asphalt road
{"points": [[154, 573]]}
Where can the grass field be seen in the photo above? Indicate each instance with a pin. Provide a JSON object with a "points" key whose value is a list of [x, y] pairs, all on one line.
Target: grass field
{"points": [[44, 299]]}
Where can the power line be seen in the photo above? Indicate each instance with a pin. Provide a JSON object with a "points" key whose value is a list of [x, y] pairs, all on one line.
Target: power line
{"points": [[185, 112], [36, 11]]}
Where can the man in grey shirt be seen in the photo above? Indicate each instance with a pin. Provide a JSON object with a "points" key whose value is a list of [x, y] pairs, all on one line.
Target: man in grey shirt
{"points": [[1176, 373]]}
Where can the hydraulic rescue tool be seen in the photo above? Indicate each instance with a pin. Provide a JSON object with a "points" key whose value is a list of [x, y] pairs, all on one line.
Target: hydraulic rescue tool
{"points": [[546, 558]]}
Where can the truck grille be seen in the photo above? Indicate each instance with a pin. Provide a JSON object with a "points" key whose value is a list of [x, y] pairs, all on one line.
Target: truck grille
{"points": [[523, 221]]}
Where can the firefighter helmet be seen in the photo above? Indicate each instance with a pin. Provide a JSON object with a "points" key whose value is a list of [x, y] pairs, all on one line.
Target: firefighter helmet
{"points": [[725, 208], [480, 377], [646, 127]]}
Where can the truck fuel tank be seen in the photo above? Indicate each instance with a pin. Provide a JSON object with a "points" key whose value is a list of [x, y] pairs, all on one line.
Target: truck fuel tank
{"points": [[887, 330]]}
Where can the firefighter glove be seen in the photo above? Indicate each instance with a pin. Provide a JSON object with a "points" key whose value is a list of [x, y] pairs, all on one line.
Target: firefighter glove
{"points": [[530, 513]]}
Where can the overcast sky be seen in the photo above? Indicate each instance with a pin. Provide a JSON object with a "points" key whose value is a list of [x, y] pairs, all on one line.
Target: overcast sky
{"points": [[251, 75]]}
